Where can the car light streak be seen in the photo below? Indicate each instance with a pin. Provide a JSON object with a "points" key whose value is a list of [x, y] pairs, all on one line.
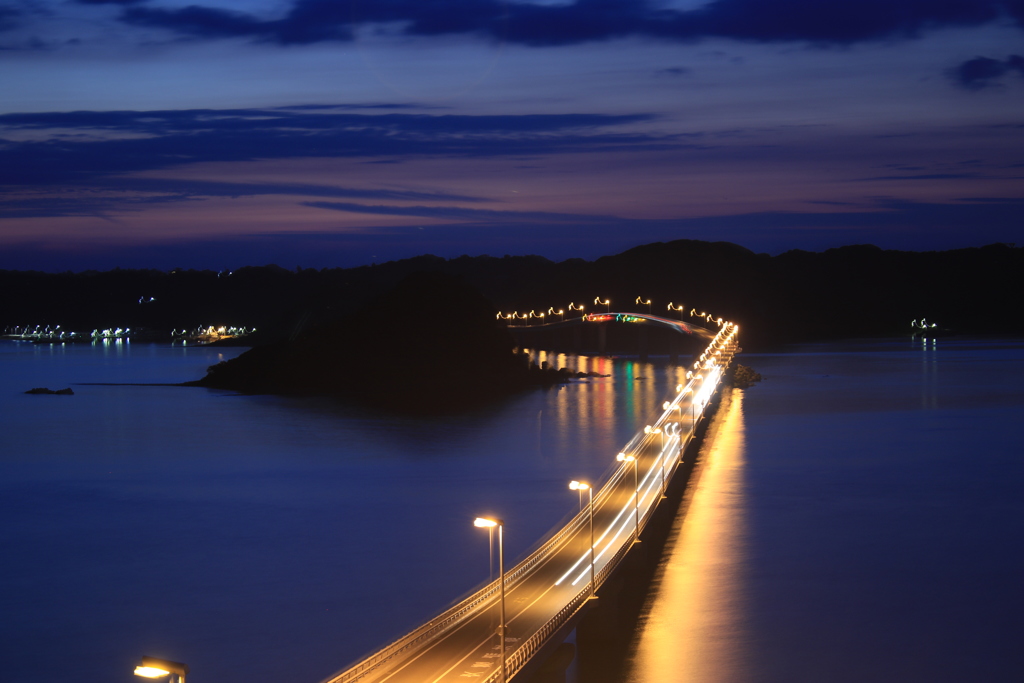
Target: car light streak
{"points": [[625, 508]]}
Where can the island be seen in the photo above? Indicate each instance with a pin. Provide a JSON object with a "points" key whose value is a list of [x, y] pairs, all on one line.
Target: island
{"points": [[397, 353]]}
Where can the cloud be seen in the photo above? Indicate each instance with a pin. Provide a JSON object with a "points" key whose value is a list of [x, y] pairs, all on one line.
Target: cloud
{"points": [[459, 213], [129, 141], [835, 22], [674, 72], [131, 194], [926, 176], [982, 72], [8, 18]]}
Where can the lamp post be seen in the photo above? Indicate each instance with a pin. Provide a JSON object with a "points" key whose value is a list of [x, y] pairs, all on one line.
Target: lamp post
{"points": [[489, 523], [678, 309], [582, 486], [623, 457], [643, 302], [152, 667], [607, 303]]}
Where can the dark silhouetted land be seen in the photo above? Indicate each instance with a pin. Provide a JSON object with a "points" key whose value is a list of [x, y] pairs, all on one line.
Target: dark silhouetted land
{"points": [[391, 355], [796, 296]]}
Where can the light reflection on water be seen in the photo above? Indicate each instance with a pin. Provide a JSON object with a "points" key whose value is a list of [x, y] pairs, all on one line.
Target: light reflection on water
{"points": [[869, 531], [693, 628]]}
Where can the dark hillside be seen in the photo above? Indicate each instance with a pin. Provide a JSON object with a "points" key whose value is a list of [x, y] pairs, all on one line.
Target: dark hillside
{"points": [[851, 291]]}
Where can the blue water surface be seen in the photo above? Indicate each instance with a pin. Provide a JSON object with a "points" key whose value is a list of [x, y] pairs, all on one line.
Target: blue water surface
{"points": [[869, 524]]}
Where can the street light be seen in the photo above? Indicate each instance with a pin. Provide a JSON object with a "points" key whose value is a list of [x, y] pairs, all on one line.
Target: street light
{"points": [[678, 309], [581, 486], [489, 523], [623, 457], [152, 667], [607, 303], [647, 303]]}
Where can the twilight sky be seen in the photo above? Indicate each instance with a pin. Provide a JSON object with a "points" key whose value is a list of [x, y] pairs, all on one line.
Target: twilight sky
{"points": [[161, 133]]}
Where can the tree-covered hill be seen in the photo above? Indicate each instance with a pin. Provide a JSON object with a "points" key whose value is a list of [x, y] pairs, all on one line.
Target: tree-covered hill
{"points": [[796, 296]]}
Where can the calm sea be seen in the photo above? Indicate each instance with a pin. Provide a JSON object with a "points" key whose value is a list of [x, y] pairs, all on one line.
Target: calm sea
{"points": [[860, 518], [257, 538]]}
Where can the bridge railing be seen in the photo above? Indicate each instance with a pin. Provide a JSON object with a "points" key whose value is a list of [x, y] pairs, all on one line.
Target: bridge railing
{"points": [[707, 371]]}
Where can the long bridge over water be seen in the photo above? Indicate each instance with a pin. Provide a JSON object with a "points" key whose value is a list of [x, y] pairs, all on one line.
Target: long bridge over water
{"points": [[504, 628]]}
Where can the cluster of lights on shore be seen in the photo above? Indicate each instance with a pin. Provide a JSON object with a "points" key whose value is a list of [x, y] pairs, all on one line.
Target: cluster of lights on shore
{"points": [[56, 333], [211, 333], [705, 372], [543, 317]]}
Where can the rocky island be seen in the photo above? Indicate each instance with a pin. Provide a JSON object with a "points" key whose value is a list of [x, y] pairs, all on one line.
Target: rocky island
{"points": [[432, 344]]}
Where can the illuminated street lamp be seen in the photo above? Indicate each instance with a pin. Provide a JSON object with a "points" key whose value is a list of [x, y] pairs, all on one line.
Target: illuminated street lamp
{"points": [[647, 303], [607, 303], [560, 313], [623, 457], [152, 667], [581, 486], [486, 522], [678, 309]]}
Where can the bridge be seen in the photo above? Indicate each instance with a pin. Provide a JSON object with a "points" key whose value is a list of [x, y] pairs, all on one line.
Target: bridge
{"points": [[492, 635], [633, 333]]}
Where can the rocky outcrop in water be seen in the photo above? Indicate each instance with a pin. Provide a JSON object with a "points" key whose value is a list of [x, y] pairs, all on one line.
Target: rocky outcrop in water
{"points": [[58, 392], [743, 377]]}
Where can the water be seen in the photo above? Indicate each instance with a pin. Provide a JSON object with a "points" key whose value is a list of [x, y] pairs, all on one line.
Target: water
{"points": [[259, 538], [859, 518]]}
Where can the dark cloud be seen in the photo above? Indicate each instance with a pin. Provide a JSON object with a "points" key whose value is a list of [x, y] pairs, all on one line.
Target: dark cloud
{"points": [[207, 188], [832, 22], [675, 71], [206, 22], [8, 17], [172, 138], [926, 176], [459, 213], [981, 72], [105, 196], [62, 207]]}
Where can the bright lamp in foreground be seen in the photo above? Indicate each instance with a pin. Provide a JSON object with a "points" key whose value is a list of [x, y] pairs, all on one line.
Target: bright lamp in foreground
{"points": [[152, 667]]}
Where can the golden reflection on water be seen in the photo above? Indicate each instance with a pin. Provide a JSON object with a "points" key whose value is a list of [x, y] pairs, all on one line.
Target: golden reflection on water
{"points": [[693, 627]]}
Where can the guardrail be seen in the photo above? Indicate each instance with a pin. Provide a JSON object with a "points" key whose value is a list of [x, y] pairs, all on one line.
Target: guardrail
{"points": [[703, 380]]}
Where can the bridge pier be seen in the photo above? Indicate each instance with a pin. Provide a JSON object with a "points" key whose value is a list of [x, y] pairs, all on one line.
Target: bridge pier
{"points": [[556, 668]]}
